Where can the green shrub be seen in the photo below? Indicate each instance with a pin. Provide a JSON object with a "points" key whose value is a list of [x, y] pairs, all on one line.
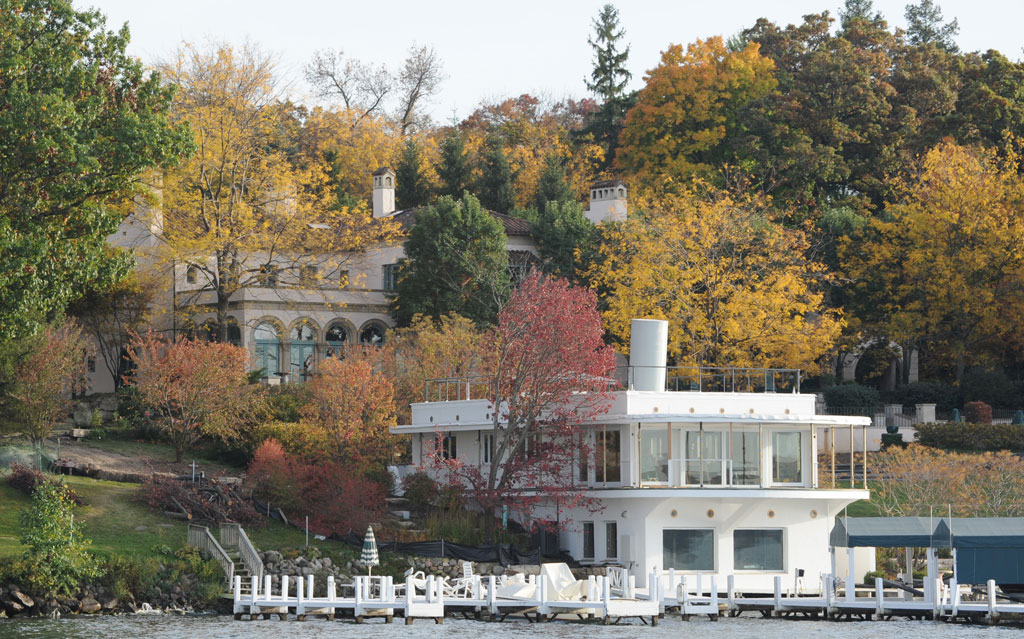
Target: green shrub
{"points": [[892, 439], [131, 577], [982, 437], [420, 489], [851, 395], [57, 559], [285, 402], [945, 397]]}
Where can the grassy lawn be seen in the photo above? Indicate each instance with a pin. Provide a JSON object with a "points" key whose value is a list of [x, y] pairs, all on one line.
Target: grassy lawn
{"points": [[113, 518]]}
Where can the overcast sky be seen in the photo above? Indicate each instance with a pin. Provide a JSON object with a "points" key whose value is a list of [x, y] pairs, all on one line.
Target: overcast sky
{"points": [[497, 49]]}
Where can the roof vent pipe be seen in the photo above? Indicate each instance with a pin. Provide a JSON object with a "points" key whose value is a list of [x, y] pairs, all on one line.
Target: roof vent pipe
{"points": [[648, 346]]}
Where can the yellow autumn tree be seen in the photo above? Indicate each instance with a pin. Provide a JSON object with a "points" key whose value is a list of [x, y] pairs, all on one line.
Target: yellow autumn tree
{"points": [[689, 104], [245, 211], [532, 130], [734, 285], [944, 267]]}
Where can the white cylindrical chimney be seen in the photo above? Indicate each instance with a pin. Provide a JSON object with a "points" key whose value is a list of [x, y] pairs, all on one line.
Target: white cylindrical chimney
{"points": [[648, 348]]}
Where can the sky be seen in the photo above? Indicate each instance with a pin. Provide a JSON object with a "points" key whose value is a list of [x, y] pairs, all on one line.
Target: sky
{"points": [[493, 50]]}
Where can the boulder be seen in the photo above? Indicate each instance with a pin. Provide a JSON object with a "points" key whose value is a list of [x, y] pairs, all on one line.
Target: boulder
{"points": [[89, 606], [109, 603], [11, 607], [49, 608], [21, 598], [68, 603]]}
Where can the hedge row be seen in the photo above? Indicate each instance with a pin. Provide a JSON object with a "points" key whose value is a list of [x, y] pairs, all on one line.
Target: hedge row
{"points": [[952, 436]]}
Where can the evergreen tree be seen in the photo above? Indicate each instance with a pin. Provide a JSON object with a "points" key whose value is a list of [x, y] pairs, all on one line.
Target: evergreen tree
{"points": [[608, 81], [454, 171], [565, 240], [495, 187], [857, 11], [924, 26], [456, 263], [552, 186], [411, 186]]}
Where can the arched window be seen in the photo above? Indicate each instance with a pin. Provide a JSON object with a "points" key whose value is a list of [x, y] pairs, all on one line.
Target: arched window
{"points": [[336, 338], [268, 349], [372, 335], [303, 348], [191, 274]]}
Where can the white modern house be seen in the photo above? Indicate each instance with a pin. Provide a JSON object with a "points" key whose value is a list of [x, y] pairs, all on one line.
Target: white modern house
{"points": [[697, 471]]}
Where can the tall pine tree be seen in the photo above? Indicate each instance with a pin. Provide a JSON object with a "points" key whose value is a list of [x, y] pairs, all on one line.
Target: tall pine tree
{"points": [[552, 186], [411, 186], [454, 171], [924, 26], [495, 186], [608, 81]]}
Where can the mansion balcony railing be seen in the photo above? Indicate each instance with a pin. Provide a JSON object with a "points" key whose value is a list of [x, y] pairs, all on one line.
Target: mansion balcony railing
{"points": [[704, 379]]}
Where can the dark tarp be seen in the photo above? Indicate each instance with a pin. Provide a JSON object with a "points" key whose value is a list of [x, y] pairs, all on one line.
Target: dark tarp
{"points": [[887, 532], [986, 548], [504, 554], [982, 532]]}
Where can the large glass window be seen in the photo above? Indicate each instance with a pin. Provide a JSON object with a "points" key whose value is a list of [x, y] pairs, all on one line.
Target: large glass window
{"points": [[336, 338], [268, 349], [372, 335], [588, 540], [303, 344], [488, 447], [746, 458], [692, 549], [787, 457], [608, 457], [446, 447], [704, 459], [654, 453], [757, 550]]}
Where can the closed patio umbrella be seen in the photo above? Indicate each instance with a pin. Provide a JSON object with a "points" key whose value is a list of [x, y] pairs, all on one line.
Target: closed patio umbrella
{"points": [[369, 558]]}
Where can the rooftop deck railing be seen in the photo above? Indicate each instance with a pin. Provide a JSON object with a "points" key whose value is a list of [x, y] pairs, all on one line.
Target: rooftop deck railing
{"points": [[714, 379], [711, 379]]}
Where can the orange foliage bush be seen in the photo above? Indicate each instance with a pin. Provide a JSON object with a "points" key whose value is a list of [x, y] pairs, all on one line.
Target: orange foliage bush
{"points": [[332, 494]]}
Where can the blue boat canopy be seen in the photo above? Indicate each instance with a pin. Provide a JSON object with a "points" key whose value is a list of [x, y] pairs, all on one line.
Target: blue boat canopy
{"points": [[982, 532], [887, 532]]}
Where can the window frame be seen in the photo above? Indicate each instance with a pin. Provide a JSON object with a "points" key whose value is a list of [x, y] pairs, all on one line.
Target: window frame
{"points": [[782, 548], [714, 549], [389, 276], [611, 540], [801, 481]]}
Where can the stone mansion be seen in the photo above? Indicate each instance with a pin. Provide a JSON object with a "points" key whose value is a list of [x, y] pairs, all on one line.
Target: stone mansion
{"points": [[288, 330]]}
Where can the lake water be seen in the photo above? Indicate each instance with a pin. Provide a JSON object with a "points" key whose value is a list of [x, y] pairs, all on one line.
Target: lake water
{"points": [[176, 627]]}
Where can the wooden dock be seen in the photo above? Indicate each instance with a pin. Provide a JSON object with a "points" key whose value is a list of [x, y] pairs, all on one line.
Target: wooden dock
{"points": [[605, 599]]}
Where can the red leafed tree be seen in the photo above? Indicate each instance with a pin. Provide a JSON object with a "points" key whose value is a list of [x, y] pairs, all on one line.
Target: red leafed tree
{"points": [[551, 374], [354, 406], [195, 388], [45, 378]]}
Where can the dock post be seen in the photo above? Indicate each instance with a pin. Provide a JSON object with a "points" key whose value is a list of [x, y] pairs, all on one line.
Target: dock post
{"points": [[683, 597], [606, 596], [491, 585], [778, 596], [714, 598], [851, 583], [828, 583], [730, 590], [300, 610], [255, 581], [630, 588], [672, 580], [954, 598], [879, 599], [698, 591], [993, 616], [236, 596], [357, 611]]}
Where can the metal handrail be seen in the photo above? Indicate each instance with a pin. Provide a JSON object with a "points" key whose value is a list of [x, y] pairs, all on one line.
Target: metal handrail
{"points": [[234, 535], [718, 378], [203, 539], [677, 378]]}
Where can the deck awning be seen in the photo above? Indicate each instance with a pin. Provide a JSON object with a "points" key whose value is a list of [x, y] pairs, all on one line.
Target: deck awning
{"points": [[982, 532], [887, 532]]}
